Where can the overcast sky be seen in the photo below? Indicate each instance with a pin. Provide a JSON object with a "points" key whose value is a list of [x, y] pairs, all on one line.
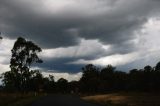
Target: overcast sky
{"points": [[72, 33]]}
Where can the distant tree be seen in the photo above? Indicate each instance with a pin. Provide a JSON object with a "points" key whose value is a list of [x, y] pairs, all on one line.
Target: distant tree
{"points": [[107, 72], [24, 54], [147, 76], [49, 84], [89, 71], [156, 77], [51, 78], [157, 67], [74, 87], [62, 85], [10, 81], [90, 78], [36, 81], [120, 80], [148, 68], [135, 79], [107, 78]]}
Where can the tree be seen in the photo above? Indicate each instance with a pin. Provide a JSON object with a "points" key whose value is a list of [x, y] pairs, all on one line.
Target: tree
{"points": [[36, 82], [62, 85], [148, 68], [107, 72], [90, 79], [24, 54], [89, 71], [157, 68], [107, 78], [49, 84]]}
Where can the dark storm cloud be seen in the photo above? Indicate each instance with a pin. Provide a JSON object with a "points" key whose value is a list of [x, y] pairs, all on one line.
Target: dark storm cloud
{"points": [[111, 22], [47, 31], [59, 65]]}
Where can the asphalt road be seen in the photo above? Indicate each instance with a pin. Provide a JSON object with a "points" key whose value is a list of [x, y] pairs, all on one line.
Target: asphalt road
{"points": [[61, 100]]}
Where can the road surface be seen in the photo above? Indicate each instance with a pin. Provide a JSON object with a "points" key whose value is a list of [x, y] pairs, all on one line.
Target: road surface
{"points": [[61, 100]]}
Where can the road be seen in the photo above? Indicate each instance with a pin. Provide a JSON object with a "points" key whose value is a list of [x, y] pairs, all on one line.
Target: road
{"points": [[61, 100]]}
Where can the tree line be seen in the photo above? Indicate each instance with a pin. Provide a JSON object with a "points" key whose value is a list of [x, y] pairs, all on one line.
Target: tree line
{"points": [[108, 79], [21, 78]]}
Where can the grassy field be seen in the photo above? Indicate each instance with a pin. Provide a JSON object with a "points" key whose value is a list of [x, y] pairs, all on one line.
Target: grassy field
{"points": [[17, 99], [125, 99]]}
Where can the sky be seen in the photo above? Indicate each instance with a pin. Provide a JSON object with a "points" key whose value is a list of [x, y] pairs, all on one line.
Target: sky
{"points": [[73, 33]]}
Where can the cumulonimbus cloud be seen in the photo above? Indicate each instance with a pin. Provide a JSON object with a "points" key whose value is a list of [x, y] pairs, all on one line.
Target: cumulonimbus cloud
{"points": [[58, 26], [51, 23]]}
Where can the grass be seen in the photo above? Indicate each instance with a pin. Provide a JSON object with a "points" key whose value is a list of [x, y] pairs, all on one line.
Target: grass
{"points": [[125, 99], [18, 99]]}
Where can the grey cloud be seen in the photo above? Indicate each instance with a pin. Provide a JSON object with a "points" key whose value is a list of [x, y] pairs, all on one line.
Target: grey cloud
{"points": [[59, 65], [47, 31], [111, 22]]}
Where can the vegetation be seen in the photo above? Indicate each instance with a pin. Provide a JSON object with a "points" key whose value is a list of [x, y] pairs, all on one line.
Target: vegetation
{"points": [[108, 79], [94, 80], [125, 99], [18, 99], [20, 78]]}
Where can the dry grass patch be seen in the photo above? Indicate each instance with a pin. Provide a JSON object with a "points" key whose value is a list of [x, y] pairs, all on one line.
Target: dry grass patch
{"points": [[125, 99]]}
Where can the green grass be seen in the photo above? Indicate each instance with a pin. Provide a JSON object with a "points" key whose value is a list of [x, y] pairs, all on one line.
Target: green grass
{"points": [[18, 99]]}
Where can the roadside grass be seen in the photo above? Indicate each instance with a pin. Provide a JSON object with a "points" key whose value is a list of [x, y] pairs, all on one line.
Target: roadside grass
{"points": [[125, 99], [18, 99]]}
